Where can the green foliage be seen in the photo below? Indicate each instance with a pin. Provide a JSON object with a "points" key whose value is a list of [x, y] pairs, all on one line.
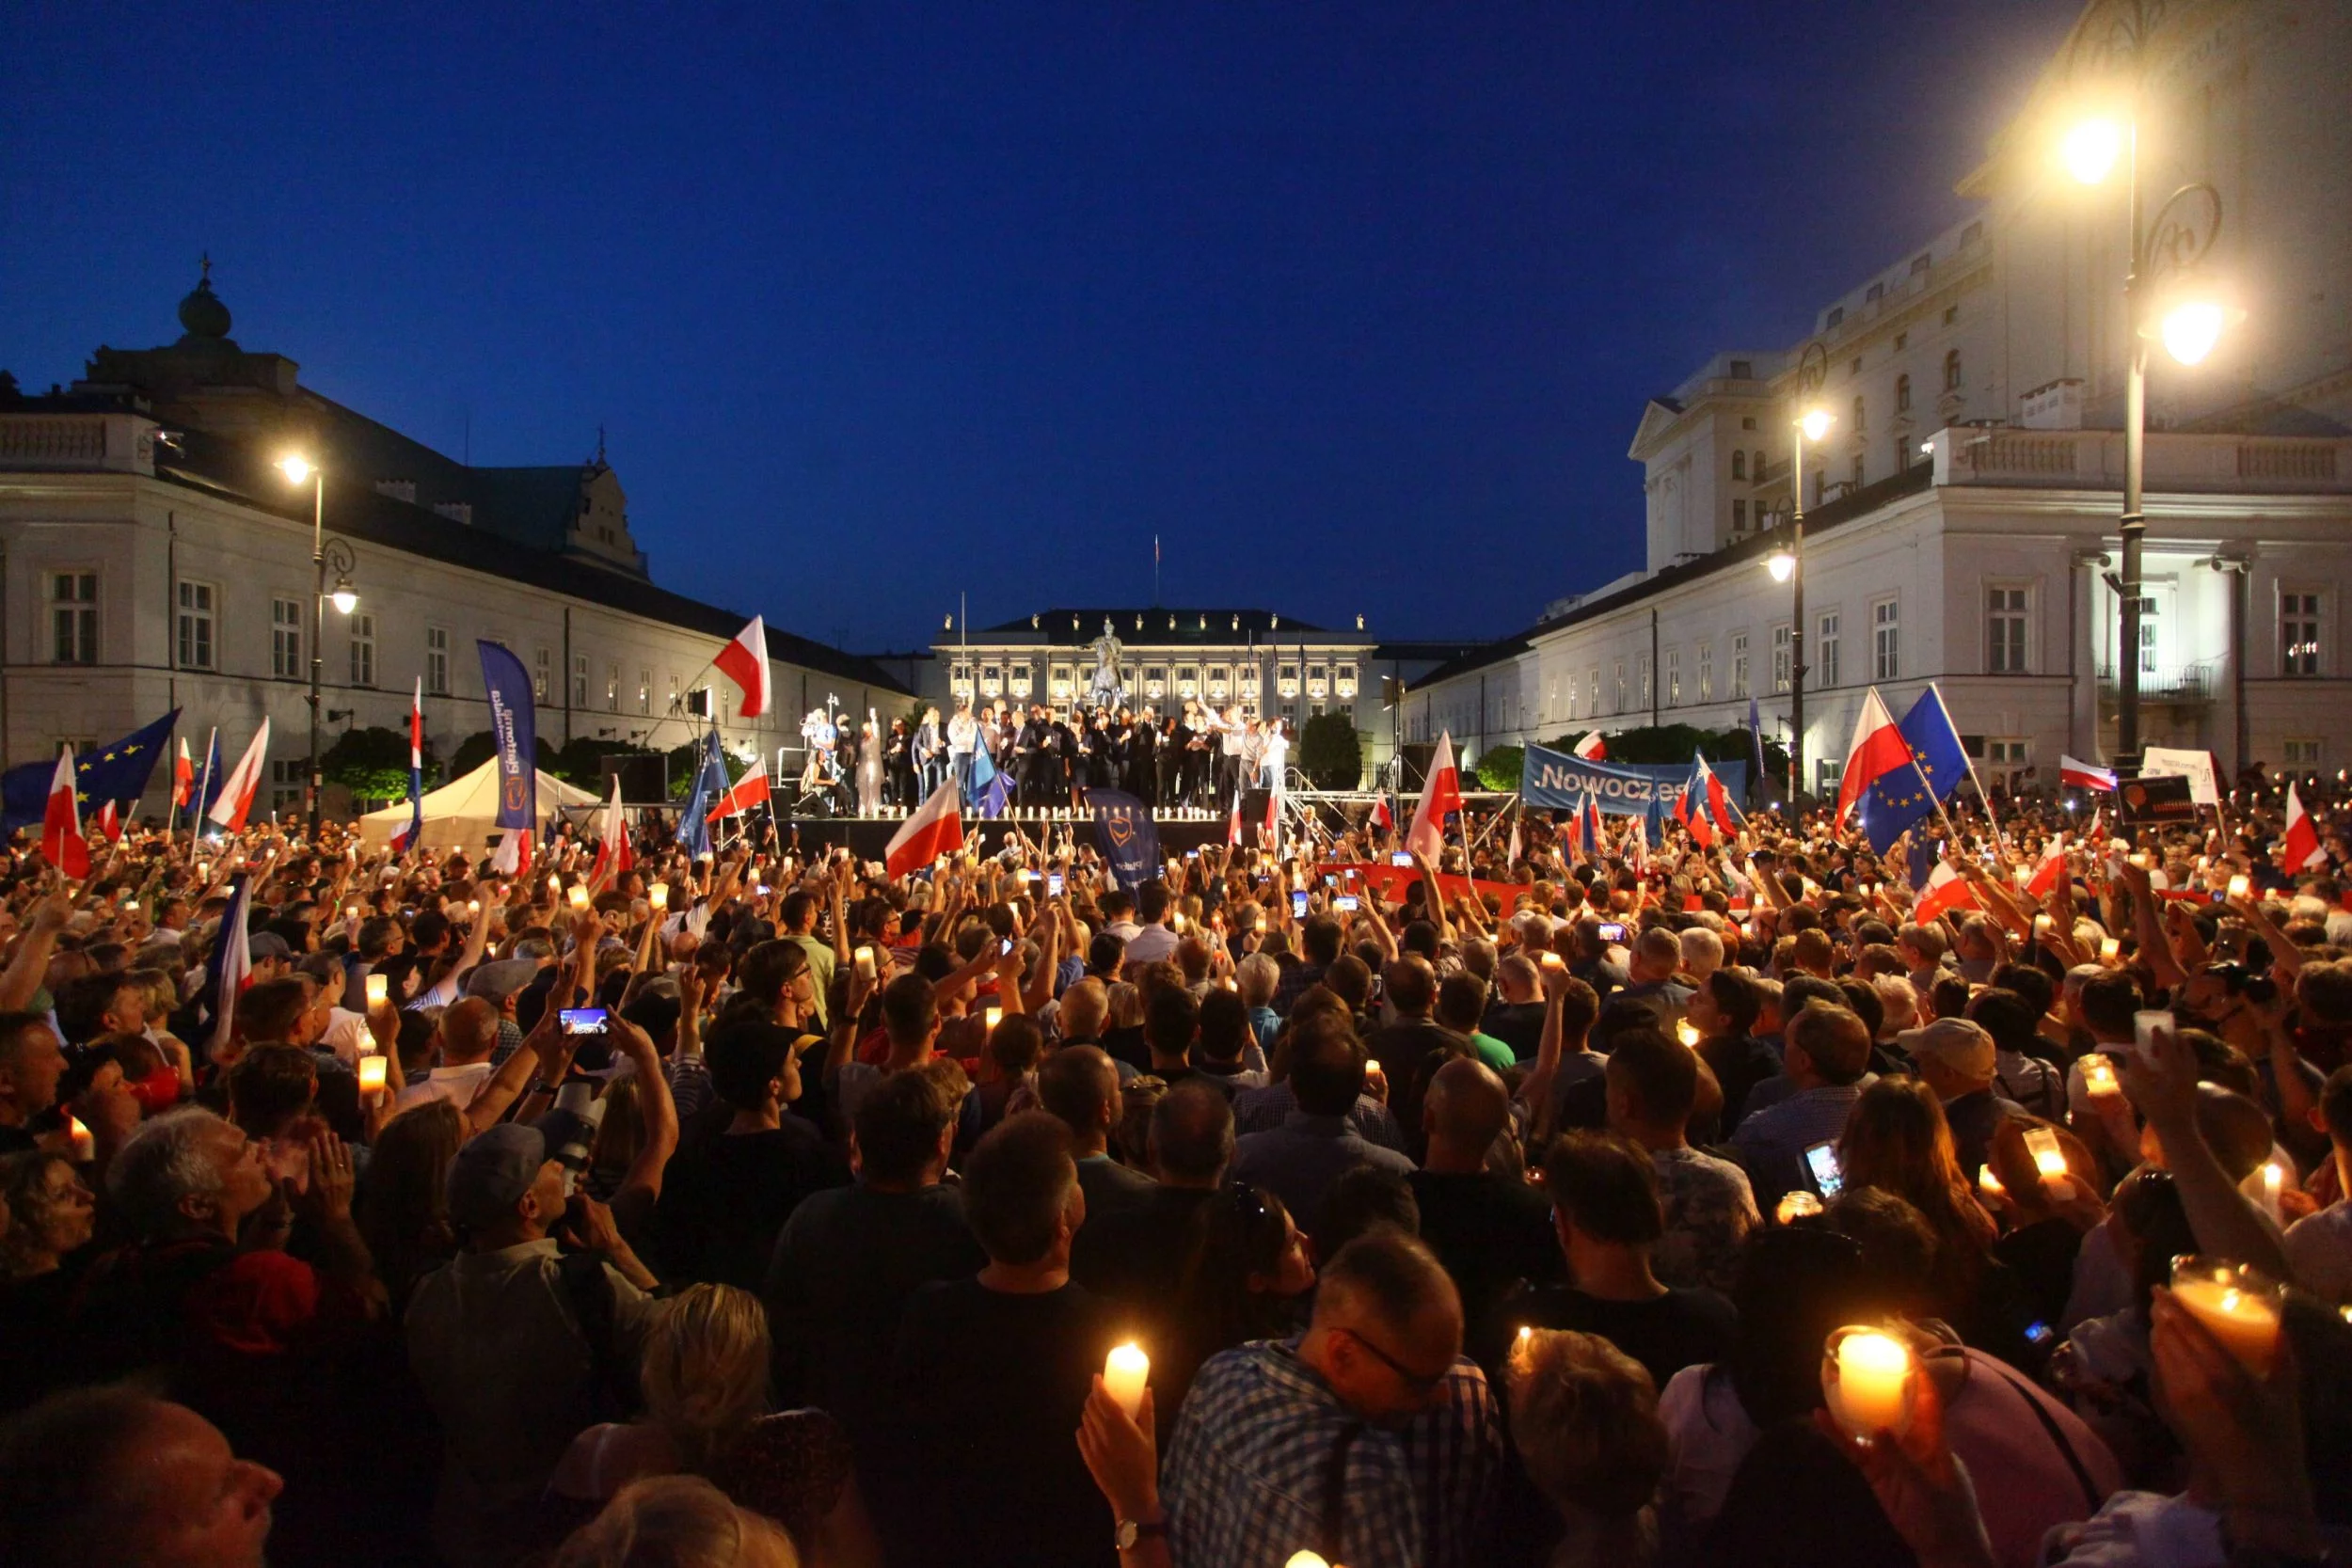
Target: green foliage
{"points": [[372, 763], [1500, 766], [684, 758], [1329, 752], [481, 746]]}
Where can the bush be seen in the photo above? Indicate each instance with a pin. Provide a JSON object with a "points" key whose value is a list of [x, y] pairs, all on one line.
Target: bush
{"points": [[373, 764], [1500, 766], [1329, 752]]}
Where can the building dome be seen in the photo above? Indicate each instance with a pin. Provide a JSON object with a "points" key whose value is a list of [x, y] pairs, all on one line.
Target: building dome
{"points": [[201, 312]]}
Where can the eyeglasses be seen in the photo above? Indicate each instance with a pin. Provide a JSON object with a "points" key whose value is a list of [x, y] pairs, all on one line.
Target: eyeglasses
{"points": [[1420, 1383]]}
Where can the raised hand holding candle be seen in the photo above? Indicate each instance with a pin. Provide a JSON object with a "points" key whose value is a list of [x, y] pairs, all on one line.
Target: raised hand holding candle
{"points": [[2098, 1075], [2048, 1157], [579, 896], [1125, 1372], [2238, 1305], [371, 1071], [1867, 1377], [379, 991], [2241, 885], [659, 897]]}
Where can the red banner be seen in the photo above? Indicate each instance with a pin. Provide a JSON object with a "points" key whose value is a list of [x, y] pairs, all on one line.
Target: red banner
{"points": [[1392, 880]]}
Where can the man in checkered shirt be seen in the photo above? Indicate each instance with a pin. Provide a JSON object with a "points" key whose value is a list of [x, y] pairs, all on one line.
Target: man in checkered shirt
{"points": [[1371, 1439]]}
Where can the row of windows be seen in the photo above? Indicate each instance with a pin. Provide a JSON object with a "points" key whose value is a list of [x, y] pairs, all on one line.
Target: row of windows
{"points": [[1221, 683], [73, 610]]}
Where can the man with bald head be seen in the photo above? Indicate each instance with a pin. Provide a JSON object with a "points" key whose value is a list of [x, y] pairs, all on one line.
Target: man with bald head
{"points": [[1490, 1230], [1370, 1439], [465, 1041]]}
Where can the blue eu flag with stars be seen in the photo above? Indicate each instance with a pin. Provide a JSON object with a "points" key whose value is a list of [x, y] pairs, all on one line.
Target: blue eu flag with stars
{"points": [[116, 773], [1903, 797]]}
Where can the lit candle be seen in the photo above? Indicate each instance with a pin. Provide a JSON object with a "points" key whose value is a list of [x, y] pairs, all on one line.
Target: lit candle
{"points": [[371, 1069], [1989, 1184], [2098, 1075], [2240, 885], [659, 896], [379, 991], [2041, 924], [1306, 1560], [1554, 960], [473, 905], [992, 1014], [579, 896], [2140, 862], [85, 1144], [1687, 1033], [1123, 1374], [2111, 949], [351, 912], [1371, 1065], [556, 887], [1796, 1206], [2237, 1306], [1527, 1333], [2274, 1183], [2048, 1158], [1872, 1371]]}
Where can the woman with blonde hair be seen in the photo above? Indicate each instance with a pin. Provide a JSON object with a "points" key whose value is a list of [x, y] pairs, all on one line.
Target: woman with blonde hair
{"points": [[703, 1373]]}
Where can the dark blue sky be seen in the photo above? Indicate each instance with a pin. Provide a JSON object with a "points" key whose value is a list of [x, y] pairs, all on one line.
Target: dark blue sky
{"points": [[1356, 306]]}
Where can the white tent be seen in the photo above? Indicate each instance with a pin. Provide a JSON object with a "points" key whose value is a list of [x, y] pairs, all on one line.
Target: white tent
{"points": [[464, 813]]}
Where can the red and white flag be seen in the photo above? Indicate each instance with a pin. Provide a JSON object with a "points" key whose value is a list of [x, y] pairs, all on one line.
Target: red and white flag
{"points": [[1382, 817], [1274, 816], [1233, 825], [613, 852], [1593, 843], [1440, 793], [237, 791], [512, 855], [2300, 847], [1719, 807], [936, 829], [745, 662], [1879, 748], [1947, 890], [232, 961], [62, 841], [2046, 876], [183, 777], [1593, 748], [2084, 775], [1572, 841], [1691, 813], [1513, 851], [110, 822], [749, 791]]}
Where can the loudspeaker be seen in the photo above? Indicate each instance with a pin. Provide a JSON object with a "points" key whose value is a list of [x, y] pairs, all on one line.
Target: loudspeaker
{"points": [[645, 780]]}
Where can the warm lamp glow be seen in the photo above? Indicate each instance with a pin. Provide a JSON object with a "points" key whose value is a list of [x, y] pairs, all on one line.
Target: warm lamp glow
{"points": [[344, 599], [297, 468], [2191, 328], [1780, 563], [2090, 149], [1816, 424]]}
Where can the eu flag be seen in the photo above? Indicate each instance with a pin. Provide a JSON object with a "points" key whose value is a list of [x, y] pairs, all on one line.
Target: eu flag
{"points": [[710, 783], [116, 772], [1909, 794]]}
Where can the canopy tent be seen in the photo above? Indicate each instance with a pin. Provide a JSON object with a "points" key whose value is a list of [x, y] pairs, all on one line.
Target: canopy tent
{"points": [[464, 813]]}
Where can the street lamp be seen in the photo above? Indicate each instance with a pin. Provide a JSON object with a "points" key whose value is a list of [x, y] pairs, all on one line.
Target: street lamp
{"points": [[2161, 300], [299, 470], [1786, 564]]}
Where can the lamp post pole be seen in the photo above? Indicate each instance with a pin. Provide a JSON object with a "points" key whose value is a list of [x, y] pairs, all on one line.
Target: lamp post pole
{"points": [[2134, 523], [1796, 628], [318, 632]]}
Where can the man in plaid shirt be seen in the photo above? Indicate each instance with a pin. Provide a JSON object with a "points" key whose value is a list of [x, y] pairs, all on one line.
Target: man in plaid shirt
{"points": [[1368, 1440]]}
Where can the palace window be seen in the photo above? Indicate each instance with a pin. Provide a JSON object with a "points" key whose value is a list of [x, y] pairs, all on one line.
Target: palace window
{"points": [[437, 661], [2299, 634], [2005, 629], [579, 680], [1780, 657], [1952, 370], [197, 600], [1902, 394], [543, 660], [74, 617], [1826, 656], [1885, 640], [285, 639], [362, 649], [1738, 664], [1706, 672], [1739, 465]]}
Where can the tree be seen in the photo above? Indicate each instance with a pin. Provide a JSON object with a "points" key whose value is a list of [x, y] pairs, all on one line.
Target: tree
{"points": [[481, 746], [372, 763], [1329, 752], [1500, 766]]}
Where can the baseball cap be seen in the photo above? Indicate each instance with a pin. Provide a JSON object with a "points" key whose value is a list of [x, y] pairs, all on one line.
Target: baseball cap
{"points": [[266, 944], [1959, 1045], [495, 982], [492, 1171]]}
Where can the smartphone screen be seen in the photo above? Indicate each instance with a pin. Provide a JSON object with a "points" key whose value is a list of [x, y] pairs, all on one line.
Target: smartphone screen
{"points": [[1402, 856], [1052, 884], [1298, 905], [583, 1020], [1613, 930], [1820, 1161], [1005, 945], [1348, 902]]}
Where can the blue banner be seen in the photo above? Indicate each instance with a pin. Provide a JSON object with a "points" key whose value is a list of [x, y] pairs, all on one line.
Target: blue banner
{"points": [[1562, 781], [514, 726], [1124, 834], [117, 772]]}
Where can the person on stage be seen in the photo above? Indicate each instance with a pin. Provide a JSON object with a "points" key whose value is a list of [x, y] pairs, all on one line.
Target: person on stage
{"points": [[931, 756]]}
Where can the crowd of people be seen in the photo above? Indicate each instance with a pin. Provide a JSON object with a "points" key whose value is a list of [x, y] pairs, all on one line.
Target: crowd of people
{"points": [[1199, 756], [1743, 1204]]}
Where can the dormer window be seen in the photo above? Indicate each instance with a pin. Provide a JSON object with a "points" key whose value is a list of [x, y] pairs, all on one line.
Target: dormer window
{"points": [[1744, 369]]}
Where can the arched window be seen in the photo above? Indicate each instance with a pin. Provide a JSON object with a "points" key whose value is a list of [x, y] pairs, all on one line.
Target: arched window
{"points": [[1859, 423], [1951, 372], [1739, 465], [1902, 394]]}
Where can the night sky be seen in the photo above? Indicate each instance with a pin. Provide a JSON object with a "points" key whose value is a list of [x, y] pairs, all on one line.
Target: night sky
{"points": [[1356, 306]]}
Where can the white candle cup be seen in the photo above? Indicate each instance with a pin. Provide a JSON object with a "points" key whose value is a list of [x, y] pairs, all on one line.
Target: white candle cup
{"points": [[2049, 1158], [85, 1142], [1124, 1373], [992, 1016], [1866, 1377], [379, 991], [1687, 1033], [2111, 949], [2240, 885], [659, 897], [2145, 1024], [2238, 1305], [371, 1072], [2099, 1076], [1989, 1184], [579, 896]]}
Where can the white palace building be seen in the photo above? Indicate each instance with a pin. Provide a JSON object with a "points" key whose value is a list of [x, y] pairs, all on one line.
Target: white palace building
{"points": [[153, 557], [1962, 509]]}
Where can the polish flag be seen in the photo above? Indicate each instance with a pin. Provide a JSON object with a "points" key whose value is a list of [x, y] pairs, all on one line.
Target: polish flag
{"points": [[745, 662], [183, 777], [2301, 843], [414, 826], [110, 822], [2084, 775], [1593, 748], [2053, 867], [614, 853], [62, 841], [238, 790], [1947, 890], [513, 856], [1572, 841], [1718, 798], [1513, 851], [749, 791], [1233, 825], [1592, 840], [1692, 815], [1879, 748], [232, 962], [1440, 793], [1382, 817], [936, 829]]}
